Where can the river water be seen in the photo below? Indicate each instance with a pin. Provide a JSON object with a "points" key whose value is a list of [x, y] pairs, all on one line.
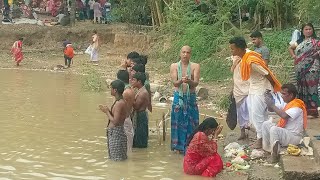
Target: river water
{"points": [[52, 129]]}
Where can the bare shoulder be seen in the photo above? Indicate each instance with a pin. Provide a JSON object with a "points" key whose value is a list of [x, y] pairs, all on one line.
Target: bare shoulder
{"points": [[195, 65], [121, 104], [173, 65]]}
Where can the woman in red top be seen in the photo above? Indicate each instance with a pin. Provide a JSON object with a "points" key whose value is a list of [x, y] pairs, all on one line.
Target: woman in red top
{"points": [[16, 51], [201, 156]]}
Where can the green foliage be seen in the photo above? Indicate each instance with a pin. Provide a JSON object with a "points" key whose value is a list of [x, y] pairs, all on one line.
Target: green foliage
{"points": [[224, 102], [129, 11], [92, 80], [281, 62]]}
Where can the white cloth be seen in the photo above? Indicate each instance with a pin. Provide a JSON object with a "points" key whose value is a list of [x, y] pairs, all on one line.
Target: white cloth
{"points": [[240, 87], [258, 81], [272, 133], [60, 16], [94, 55], [128, 129], [243, 112], [257, 112], [295, 122]]}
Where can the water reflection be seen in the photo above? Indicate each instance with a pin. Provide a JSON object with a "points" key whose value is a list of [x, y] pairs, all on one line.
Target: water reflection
{"points": [[51, 129]]}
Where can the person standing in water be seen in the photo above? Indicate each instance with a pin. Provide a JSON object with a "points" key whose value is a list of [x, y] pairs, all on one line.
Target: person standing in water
{"points": [[140, 119], [16, 51], [128, 96], [117, 139], [185, 77]]}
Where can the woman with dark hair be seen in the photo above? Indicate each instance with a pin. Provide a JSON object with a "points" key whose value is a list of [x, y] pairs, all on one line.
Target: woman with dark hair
{"points": [[201, 156], [305, 53], [16, 51]]}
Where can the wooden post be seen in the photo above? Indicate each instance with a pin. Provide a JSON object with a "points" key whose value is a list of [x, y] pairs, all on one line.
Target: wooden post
{"points": [[164, 127]]}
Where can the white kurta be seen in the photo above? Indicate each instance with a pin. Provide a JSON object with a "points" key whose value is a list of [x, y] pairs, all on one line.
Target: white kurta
{"points": [[291, 134], [258, 86]]}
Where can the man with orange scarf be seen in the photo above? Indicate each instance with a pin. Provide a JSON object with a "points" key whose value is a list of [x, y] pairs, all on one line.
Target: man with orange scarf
{"points": [[289, 129], [254, 70]]}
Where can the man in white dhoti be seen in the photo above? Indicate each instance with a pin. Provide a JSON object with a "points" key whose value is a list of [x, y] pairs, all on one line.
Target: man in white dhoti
{"points": [[289, 130], [254, 70], [240, 87]]}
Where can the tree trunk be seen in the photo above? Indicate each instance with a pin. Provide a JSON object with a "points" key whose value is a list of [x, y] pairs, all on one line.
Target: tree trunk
{"points": [[73, 13]]}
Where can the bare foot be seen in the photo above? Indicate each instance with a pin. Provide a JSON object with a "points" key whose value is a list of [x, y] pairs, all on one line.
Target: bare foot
{"points": [[257, 144], [243, 134]]}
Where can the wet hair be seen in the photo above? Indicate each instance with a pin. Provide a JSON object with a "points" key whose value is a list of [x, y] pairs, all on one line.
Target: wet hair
{"points": [[144, 59], [140, 77], [208, 123], [132, 55], [118, 85], [256, 34], [139, 68], [239, 42], [291, 89], [95, 31], [123, 75], [21, 39], [137, 60], [302, 37]]}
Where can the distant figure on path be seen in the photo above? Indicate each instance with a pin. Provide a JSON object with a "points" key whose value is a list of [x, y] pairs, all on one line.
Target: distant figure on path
{"points": [[16, 51], [95, 47]]}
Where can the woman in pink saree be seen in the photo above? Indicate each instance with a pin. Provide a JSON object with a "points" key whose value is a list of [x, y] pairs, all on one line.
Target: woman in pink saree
{"points": [[16, 51], [201, 157]]}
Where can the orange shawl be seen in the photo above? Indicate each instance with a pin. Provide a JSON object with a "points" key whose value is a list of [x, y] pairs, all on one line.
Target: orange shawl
{"points": [[245, 68], [295, 103]]}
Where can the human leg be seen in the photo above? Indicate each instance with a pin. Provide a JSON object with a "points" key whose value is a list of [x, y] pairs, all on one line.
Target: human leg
{"points": [[141, 133], [243, 116], [257, 115], [178, 125], [266, 126]]}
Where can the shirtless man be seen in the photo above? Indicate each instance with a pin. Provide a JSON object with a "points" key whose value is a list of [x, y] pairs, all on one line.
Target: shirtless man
{"points": [[140, 119], [117, 139], [185, 77], [128, 96]]}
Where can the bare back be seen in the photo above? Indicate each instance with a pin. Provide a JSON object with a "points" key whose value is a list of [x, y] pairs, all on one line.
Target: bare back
{"points": [[129, 97], [195, 74], [119, 112]]}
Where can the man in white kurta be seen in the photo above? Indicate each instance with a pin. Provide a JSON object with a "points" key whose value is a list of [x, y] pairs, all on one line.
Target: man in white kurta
{"points": [[240, 94], [290, 130], [258, 108]]}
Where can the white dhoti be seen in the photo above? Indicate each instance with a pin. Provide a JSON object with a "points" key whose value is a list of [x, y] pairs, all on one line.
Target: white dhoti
{"points": [[243, 113], [272, 133], [257, 112], [128, 129]]}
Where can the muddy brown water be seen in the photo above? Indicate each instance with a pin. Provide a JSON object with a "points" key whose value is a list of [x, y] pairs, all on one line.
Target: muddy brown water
{"points": [[52, 129]]}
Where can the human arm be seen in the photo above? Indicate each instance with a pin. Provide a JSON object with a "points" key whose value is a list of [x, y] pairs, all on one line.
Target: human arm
{"points": [[174, 75], [291, 51], [270, 104], [196, 77], [235, 61]]}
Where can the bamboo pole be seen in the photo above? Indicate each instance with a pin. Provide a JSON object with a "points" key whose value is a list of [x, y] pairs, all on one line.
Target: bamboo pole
{"points": [[164, 127]]}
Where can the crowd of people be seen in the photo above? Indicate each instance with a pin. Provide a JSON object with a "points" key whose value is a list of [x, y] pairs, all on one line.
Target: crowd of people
{"points": [[96, 10], [254, 86]]}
